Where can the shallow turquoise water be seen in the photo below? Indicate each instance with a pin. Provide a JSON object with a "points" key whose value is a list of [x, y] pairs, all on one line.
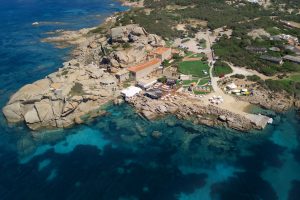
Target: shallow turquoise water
{"points": [[116, 156]]}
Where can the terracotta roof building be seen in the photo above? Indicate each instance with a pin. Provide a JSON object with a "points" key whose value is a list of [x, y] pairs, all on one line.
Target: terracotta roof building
{"points": [[162, 53], [142, 70]]}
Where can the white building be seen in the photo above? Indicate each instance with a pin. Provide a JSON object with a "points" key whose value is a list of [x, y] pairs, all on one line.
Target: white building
{"points": [[131, 91]]}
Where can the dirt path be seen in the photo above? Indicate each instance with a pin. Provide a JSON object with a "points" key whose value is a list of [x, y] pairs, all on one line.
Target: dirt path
{"points": [[230, 103]]}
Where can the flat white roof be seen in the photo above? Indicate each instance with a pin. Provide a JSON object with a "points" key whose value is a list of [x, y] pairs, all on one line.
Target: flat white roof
{"points": [[131, 91]]}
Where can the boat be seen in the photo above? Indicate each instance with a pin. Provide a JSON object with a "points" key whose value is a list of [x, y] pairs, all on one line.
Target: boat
{"points": [[35, 23]]}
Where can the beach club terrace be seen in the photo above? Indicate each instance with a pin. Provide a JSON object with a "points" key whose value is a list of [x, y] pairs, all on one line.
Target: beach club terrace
{"points": [[144, 69]]}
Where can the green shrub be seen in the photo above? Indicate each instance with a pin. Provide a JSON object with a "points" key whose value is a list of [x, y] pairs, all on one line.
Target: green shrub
{"points": [[281, 85], [162, 79], [126, 45], [64, 72], [253, 78], [77, 90], [221, 68], [177, 57], [239, 76]]}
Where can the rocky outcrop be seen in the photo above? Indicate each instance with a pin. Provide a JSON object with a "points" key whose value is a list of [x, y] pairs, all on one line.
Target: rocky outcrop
{"points": [[279, 102], [276, 101], [63, 97], [13, 112], [82, 85], [194, 110], [124, 33], [123, 58], [125, 46], [135, 33], [72, 37]]}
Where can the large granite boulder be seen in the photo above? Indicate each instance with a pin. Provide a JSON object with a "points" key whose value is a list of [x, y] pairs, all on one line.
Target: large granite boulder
{"points": [[137, 54], [44, 110], [155, 40], [69, 107], [119, 34], [57, 108], [124, 33], [31, 92], [13, 112], [137, 30], [32, 116], [127, 57], [120, 56]]}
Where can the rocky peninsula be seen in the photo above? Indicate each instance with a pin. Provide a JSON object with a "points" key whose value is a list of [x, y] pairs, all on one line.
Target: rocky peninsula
{"points": [[85, 83], [80, 88]]}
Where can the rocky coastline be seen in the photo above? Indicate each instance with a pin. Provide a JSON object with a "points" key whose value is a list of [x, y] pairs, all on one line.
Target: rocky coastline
{"points": [[85, 83], [187, 108], [277, 101], [79, 89]]}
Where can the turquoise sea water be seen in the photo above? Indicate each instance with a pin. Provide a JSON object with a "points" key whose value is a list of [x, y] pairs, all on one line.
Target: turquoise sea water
{"points": [[116, 156]]}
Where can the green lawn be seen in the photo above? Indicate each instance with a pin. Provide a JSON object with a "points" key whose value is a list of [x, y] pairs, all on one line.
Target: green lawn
{"points": [[203, 81], [194, 68]]}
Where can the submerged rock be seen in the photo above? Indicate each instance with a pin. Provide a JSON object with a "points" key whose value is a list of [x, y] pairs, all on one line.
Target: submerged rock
{"points": [[26, 146], [156, 134]]}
